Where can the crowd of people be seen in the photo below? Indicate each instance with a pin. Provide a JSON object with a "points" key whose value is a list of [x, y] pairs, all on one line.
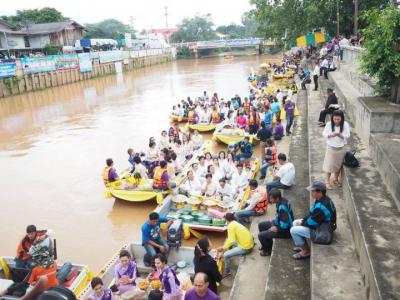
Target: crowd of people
{"points": [[221, 176]]}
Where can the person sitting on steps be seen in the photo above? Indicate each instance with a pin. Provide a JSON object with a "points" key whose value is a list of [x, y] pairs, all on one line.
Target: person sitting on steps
{"points": [[330, 106]]}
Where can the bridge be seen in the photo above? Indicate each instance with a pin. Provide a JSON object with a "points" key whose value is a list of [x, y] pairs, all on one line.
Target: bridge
{"points": [[233, 43], [196, 47]]}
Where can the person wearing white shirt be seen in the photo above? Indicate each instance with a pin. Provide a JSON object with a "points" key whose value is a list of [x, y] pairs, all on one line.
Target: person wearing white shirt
{"points": [[224, 190], [324, 66], [139, 168], [240, 178], [209, 188], [336, 133], [192, 185], [284, 177], [279, 96], [202, 166], [164, 140], [214, 171], [331, 67], [229, 166], [257, 194], [197, 140], [315, 76], [198, 173]]}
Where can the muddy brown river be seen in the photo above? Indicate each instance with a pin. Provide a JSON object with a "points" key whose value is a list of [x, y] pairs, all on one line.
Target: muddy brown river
{"points": [[53, 146]]}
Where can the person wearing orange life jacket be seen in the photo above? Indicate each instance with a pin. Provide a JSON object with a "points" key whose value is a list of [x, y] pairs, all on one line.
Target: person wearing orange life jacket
{"points": [[256, 205], [254, 121], [161, 178], [215, 117], [22, 257], [246, 106], [192, 116], [109, 173], [174, 131], [269, 158]]}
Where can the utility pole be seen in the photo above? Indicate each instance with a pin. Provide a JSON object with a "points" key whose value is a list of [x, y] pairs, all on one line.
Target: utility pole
{"points": [[166, 16], [132, 22], [355, 17], [337, 18]]}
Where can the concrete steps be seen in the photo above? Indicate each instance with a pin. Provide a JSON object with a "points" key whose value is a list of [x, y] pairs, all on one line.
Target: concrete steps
{"points": [[288, 278], [335, 268], [373, 212]]}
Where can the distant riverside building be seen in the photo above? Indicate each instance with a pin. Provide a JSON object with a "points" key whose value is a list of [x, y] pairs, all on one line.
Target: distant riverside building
{"points": [[164, 32], [34, 37]]}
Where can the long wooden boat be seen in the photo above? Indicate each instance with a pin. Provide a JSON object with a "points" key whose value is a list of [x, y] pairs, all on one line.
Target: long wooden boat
{"points": [[202, 127], [168, 208], [137, 251], [79, 278], [145, 192], [228, 136]]}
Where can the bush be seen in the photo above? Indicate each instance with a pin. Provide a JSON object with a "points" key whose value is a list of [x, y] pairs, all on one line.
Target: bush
{"points": [[52, 49]]}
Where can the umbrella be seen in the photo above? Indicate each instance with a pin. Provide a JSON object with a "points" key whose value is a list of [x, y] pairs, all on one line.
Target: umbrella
{"points": [[312, 39]]}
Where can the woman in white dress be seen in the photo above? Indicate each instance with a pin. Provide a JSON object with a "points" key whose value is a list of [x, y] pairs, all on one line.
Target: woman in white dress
{"points": [[197, 140], [336, 133]]}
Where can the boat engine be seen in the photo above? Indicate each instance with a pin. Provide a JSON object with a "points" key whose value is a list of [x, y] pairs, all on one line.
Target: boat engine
{"points": [[175, 233]]}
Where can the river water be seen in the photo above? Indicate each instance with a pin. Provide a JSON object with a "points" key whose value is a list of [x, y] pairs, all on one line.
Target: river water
{"points": [[53, 146]]}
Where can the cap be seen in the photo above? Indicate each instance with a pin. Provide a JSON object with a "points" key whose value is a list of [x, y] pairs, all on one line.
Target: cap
{"points": [[317, 186]]}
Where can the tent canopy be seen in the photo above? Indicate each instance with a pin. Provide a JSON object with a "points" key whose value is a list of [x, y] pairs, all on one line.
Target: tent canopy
{"points": [[312, 39]]}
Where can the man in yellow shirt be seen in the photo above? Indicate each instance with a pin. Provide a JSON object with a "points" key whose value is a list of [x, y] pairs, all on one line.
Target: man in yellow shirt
{"points": [[239, 240]]}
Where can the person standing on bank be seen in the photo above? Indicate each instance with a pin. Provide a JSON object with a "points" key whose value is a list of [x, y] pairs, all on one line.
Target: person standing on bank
{"points": [[315, 76], [336, 133]]}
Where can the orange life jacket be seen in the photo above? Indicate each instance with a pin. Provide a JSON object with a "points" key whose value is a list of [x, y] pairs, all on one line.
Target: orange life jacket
{"points": [[175, 133], [106, 172], [25, 244], [256, 120], [262, 205], [215, 117], [158, 182], [246, 106], [272, 161], [191, 116]]}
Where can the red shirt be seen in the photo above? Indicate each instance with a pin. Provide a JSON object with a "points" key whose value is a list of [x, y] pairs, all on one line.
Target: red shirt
{"points": [[51, 274]]}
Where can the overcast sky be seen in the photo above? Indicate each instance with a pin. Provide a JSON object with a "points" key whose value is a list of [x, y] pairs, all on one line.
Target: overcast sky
{"points": [[146, 14]]}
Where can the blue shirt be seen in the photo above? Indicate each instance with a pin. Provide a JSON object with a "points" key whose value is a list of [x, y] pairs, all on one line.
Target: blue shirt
{"points": [[152, 232], [268, 118], [275, 107]]}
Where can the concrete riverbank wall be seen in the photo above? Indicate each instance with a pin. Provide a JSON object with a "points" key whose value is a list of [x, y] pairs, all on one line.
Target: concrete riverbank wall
{"points": [[39, 81]]}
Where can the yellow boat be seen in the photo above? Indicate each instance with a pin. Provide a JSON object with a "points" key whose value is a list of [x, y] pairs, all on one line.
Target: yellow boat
{"points": [[144, 191], [80, 275], [229, 57], [238, 136], [202, 127]]}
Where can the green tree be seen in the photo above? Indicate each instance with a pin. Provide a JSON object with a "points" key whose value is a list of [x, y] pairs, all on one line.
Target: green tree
{"points": [[232, 31], [37, 16], [107, 29], [381, 58], [302, 16], [198, 28], [250, 24]]}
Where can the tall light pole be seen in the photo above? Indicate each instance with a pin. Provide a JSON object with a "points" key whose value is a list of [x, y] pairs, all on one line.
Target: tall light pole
{"points": [[166, 16], [337, 18], [355, 17]]}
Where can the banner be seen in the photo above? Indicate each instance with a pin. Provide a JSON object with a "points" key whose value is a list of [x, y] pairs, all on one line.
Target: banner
{"points": [[66, 62], [110, 56], [38, 64], [7, 68], [85, 62]]}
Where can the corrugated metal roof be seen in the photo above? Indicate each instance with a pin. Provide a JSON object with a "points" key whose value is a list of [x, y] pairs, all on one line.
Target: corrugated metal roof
{"points": [[44, 28]]}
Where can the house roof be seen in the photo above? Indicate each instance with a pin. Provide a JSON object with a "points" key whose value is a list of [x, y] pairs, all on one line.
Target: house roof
{"points": [[44, 28]]}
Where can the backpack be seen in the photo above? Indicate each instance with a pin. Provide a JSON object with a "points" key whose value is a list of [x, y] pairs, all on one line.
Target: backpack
{"points": [[350, 160]]}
